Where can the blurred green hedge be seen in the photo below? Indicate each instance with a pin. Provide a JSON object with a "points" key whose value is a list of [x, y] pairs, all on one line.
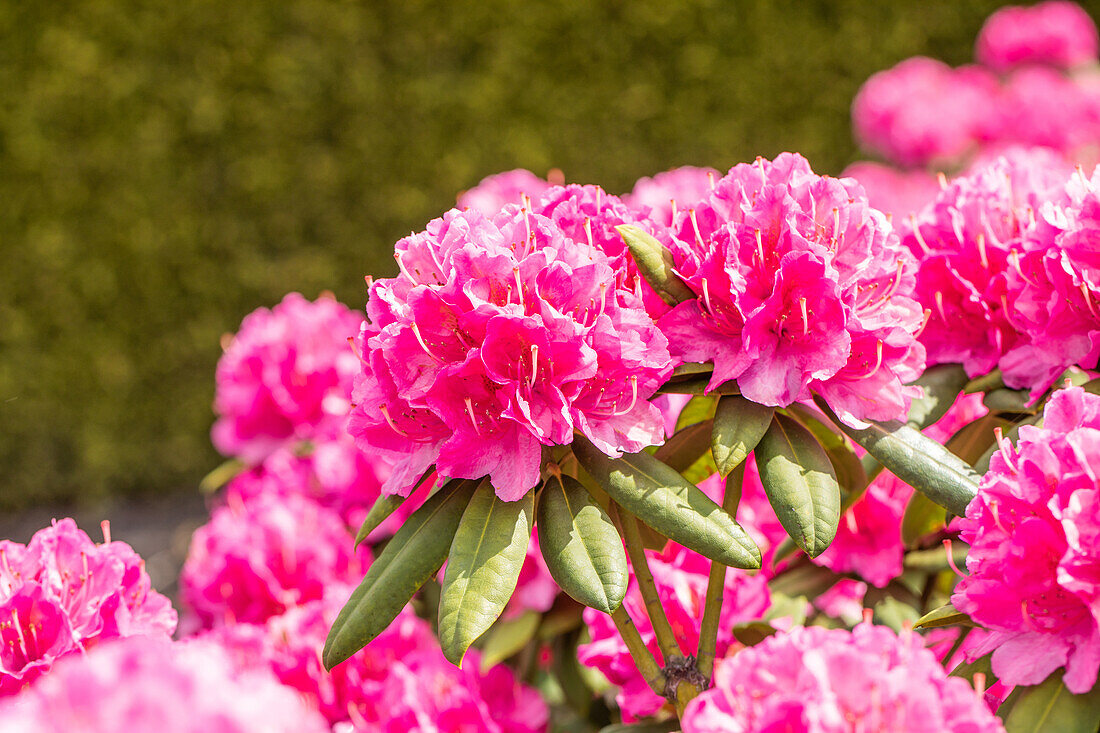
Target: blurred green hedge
{"points": [[167, 167]]}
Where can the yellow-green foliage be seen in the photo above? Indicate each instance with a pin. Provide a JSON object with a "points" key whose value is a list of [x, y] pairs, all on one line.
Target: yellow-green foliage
{"points": [[165, 167]]}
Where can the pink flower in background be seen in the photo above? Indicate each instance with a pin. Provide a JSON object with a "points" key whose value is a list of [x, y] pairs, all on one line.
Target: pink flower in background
{"points": [[498, 337], [817, 680], [1034, 558], [62, 593], [665, 193], [285, 377], [1055, 33], [155, 685], [1042, 106], [371, 691], [893, 191], [681, 578], [256, 559], [801, 287], [1058, 284], [495, 192], [970, 242], [335, 474], [923, 111], [535, 589]]}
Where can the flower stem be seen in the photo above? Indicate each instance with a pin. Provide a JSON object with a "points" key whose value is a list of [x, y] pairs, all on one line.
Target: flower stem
{"points": [[643, 658], [666, 639], [712, 609]]}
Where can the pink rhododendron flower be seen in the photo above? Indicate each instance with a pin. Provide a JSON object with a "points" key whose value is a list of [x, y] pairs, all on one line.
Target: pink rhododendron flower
{"points": [[970, 241], [923, 111], [62, 593], [1056, 33], [681, 578], [256, 559], [801, 287], [335, 474], [144, 684], [500, 336], [1034, 556], [665, 193], [1057, 303], [892, 191], [371, 691], [495, 192], [817, 680], [285, 377]]}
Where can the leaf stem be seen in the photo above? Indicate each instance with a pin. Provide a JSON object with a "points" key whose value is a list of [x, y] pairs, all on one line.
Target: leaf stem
{"points": [[643, 658], [635, 549], [716, 582]]}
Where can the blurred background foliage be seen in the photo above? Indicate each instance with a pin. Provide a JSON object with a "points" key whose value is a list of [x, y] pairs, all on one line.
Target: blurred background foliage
{"points": [[167, 167]]}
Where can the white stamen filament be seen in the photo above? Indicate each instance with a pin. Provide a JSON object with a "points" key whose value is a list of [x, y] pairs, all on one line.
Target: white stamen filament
{"points": [[805, 317], [470, 412], [519, 286], [710, 179], [924, 323], [633, 396], [390, 422], [695, 225], [917, 234], [706, 295], [1088, 298], [534, 362], [673, 203], [760, 245], [981, 250], [939, 306], [401, 266], [588, 233], [942, 179], [423, 344], [878, 363]]}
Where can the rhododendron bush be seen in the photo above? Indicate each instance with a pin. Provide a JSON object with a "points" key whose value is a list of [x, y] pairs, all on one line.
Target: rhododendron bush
{"points": [[734, 451]]}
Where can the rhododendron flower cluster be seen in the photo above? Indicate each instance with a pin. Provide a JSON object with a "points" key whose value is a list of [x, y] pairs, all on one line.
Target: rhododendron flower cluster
{"points": [[285, 377], [830, 680], [154, 685], [667, 192], [801, 287], [497, 337], [681, 578], [1035, 548], [1054, 33], [495, 192], [970, 241], [371, 690], [256, 559], [62, 593]]}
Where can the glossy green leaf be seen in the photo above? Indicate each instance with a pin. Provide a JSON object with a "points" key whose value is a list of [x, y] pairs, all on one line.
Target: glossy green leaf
{"points": [[581, 546], [482, 568], [942, 385], [697, 386], [894, 613], [1049, 706], [850, 473], [379, 512], [973, 439], [655, 263], [508, 637], [981, 665], [698, 409], [917, 460], [1011, 400], [739, 424], [664, 500], [800, 483], [686, 446], [412, 556], [751, 633], [942, 616], [922, 517]]}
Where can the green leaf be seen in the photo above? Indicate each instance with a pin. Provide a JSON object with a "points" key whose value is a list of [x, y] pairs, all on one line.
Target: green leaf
{"points": [[655, 263], [581, 546], [973, 439], [697, 386], [850, 473], [922, 517], [943, 616], [379, 512], [917, 460], [221, 475], [751, 633], [508, 637], [1049, 706], [1013, 434], [483, 567], [698, 409], [942, 385], [662, 726], [412, 556], [685, 447], [895, 614], [800, 483], [664, 500], [981, 665], [1011, 400], [739, 424]]}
